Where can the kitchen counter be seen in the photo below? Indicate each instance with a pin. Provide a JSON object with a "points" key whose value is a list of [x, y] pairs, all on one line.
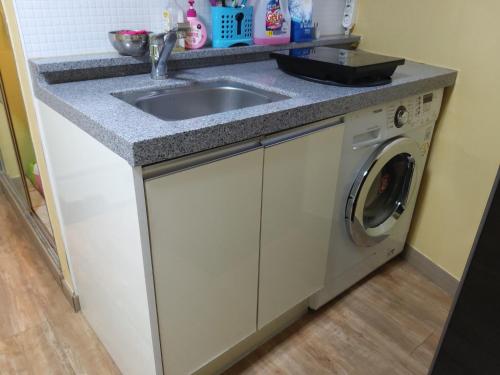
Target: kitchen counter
{"points": [[143, 139], [225, 231]]}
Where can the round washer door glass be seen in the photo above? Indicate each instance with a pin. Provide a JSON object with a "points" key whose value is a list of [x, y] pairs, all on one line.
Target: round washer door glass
{"points": [[388, 190], [379, 195]]}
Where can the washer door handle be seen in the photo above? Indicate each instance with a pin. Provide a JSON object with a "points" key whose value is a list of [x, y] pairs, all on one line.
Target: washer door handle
{"points": [[349, 210]]}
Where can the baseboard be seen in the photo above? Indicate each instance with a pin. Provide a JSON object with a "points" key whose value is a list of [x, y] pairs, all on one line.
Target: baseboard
{"points": [[70, 295], [430, 270]]}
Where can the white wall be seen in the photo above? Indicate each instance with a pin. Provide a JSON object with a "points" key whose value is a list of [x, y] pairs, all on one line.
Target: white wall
{"points": [[329, 14], [68, 27]]}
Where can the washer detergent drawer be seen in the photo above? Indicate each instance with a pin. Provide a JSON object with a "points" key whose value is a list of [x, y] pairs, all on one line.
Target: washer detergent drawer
{"points": [[300, 179]]}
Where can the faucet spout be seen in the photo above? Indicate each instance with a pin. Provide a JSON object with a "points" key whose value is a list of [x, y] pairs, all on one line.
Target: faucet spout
{"points": [[160, 49]]}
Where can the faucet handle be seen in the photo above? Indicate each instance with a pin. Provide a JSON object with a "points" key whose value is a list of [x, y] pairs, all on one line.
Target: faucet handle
{"points": [[183, 26], [157, 38], [156, 45]]}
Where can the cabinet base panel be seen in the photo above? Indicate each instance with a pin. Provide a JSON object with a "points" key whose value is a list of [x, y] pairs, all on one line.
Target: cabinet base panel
{"points": [[245, 347]]}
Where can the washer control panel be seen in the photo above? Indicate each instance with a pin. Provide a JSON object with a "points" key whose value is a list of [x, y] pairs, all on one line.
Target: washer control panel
{"points": [[372, 126], [412, 112]]}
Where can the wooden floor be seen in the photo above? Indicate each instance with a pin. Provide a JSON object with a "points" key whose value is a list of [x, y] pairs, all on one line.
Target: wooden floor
{"points": [[390, 324]]}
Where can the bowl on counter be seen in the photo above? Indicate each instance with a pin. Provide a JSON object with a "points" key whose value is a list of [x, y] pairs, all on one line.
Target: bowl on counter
{"points": [[130, 42]]}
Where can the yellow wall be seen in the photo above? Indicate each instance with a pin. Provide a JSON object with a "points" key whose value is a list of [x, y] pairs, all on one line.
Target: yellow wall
{"points": [[14, 98], [7, 151], [6, 145], [465, 156]]}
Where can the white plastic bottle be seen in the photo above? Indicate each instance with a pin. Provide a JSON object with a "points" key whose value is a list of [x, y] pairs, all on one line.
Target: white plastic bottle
{"points": [[271, 22], [170, 15]]}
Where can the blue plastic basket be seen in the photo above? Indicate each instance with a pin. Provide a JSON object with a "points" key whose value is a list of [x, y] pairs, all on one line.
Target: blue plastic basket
{"points": [[231, 26]]}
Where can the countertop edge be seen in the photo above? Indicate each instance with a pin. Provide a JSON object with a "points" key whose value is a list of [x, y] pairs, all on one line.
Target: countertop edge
{"points": [[327, 109], [179, 144], [107, 138]]}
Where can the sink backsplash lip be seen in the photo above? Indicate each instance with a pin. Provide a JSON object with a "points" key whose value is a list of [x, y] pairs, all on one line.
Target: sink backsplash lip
{"points": [[62, 69]]}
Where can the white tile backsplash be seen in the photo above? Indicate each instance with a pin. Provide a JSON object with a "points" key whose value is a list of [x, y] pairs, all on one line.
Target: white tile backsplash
{"points": [[68, 27], [329, 14]]}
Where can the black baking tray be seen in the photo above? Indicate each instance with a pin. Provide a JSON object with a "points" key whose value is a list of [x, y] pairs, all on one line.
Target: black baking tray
{"points": [[342, 66]]}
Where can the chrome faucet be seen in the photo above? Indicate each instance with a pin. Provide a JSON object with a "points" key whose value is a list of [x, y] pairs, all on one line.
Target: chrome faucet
{"points": [[160, 49]]}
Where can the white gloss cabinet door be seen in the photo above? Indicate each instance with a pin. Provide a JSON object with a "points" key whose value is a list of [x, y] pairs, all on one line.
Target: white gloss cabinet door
{"points": [[204, 228], [300, 178]]}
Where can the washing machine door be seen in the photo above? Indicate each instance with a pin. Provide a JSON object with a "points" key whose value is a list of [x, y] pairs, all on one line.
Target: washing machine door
{"points": [[378, 197]]}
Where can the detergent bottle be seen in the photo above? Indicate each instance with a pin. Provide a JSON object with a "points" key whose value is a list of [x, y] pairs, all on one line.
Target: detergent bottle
{"points": [[197, 36], [302, 21], [271, 22]]}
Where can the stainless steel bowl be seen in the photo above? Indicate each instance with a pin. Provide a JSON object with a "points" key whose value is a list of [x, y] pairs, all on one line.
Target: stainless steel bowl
{"points": [[129, 45]]}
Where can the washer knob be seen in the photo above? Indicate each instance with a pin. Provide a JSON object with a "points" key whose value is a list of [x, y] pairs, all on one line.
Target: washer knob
{"points": [[401, 117]]}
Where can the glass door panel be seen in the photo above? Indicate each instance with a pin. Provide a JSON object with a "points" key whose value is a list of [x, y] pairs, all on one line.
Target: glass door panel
{"points": [[388, 191], [14, 118], [9, 163]]}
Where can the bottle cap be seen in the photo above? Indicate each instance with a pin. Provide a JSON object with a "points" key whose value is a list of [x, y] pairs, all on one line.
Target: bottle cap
{"points": [[191, 11]]}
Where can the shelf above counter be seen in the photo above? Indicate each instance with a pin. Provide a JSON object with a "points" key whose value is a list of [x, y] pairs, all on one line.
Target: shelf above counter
{"points": [[105, 65]]}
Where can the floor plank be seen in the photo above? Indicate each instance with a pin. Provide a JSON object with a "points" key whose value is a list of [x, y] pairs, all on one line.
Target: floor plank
{"points": [[12, 358], [72, 331], [42, 350]]}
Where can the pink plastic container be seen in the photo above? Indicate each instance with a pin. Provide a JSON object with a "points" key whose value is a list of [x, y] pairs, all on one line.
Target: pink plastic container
{"points": [[272, 23]]}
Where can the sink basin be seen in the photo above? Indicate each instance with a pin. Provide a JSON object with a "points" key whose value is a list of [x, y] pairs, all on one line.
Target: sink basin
{"points": [[199, 99]]}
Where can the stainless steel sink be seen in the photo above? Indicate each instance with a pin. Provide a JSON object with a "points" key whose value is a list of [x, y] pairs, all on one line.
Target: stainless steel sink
{"points": [[199, 99]]}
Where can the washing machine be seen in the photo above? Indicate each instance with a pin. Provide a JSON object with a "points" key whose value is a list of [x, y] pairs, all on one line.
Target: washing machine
{"points": [[384, 153]]}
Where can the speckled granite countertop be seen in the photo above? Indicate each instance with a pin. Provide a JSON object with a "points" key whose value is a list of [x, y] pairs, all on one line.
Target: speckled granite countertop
{"points": [[143, 139]]}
